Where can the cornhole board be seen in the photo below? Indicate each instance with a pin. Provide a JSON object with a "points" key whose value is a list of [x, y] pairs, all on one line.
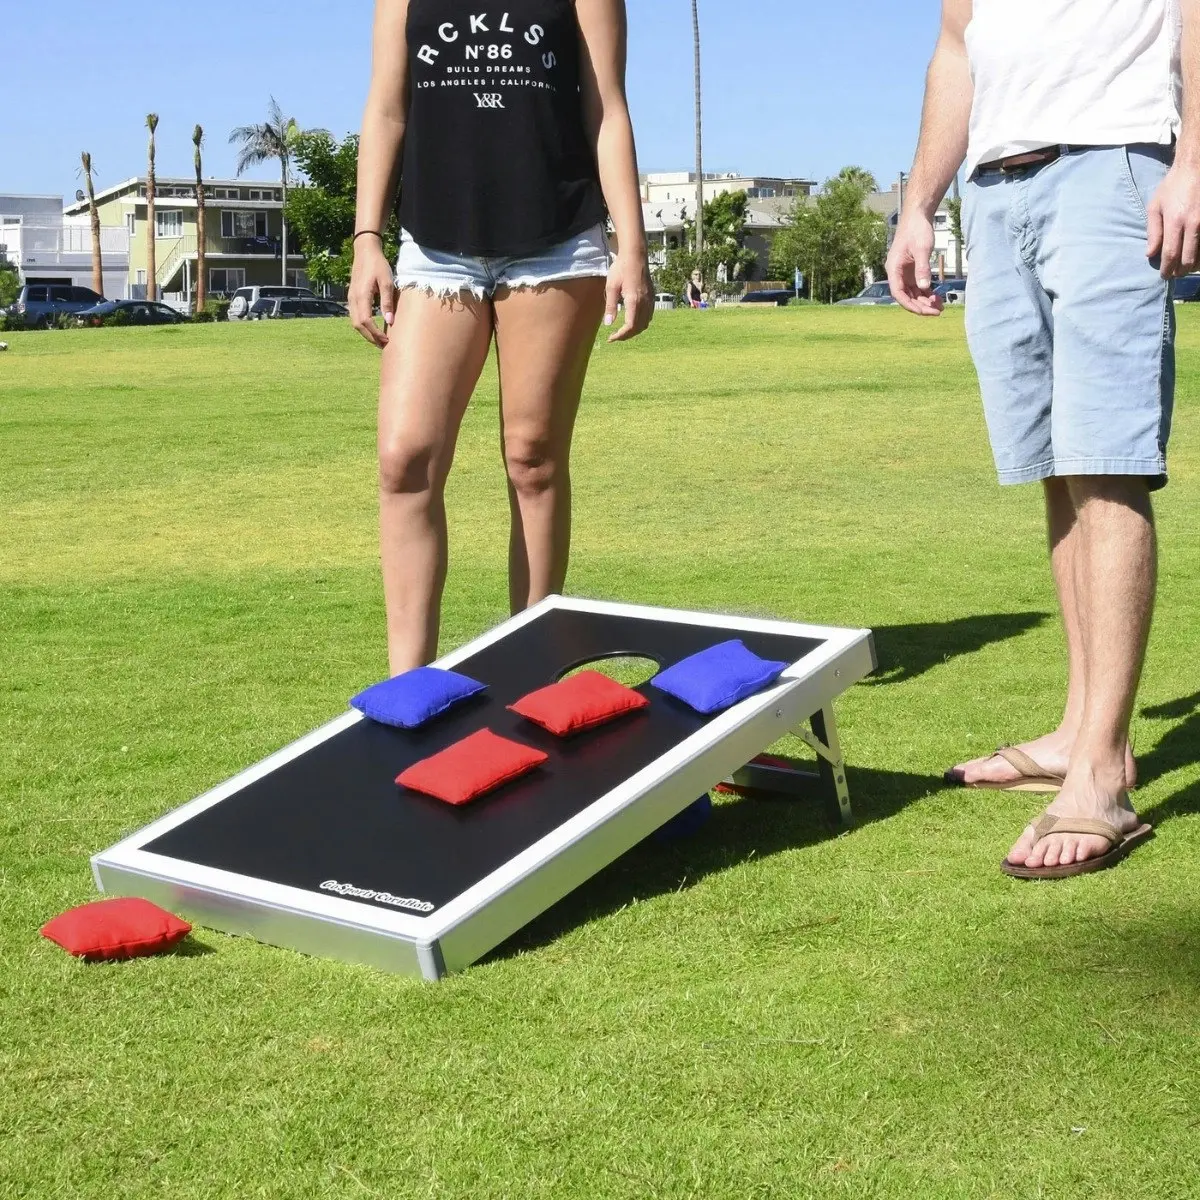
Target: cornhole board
{"points": [[318, 850]]}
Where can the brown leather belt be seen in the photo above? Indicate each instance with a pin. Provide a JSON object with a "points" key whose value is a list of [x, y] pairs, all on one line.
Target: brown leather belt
{"points": [[1020, 162]]}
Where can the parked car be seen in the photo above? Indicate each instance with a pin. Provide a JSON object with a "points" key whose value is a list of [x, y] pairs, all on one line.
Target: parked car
{"points": [[40, 303], [1187, 289], [873, 293], [947, 286], [284, 307], [137, 312], [777, 296], [245, 298]]}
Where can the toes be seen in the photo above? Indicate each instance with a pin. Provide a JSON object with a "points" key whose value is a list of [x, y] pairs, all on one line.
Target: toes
{"points": [[1019, 854]]}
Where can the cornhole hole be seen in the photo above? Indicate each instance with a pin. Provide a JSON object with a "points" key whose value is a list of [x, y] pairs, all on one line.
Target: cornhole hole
{"points": [[317, 849]]}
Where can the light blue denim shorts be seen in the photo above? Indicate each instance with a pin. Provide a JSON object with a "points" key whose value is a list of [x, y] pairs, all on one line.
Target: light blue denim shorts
{"points": [[1071, 327], [581, 257]]}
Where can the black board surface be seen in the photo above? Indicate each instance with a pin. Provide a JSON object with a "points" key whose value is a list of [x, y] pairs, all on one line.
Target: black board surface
{"points": [[335, 812]]}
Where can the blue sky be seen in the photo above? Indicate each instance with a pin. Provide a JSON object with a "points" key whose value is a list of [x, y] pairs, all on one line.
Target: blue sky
{"points": [[792, 87]]}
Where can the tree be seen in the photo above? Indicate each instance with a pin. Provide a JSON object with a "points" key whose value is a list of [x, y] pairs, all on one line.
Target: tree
{"points": [[723, 237], [272, 140], [859, 177], [10, 284], [320, 209], [834, 239], [151, 230], [97, 260], [954, 207], [699, 129], [201, 224]]}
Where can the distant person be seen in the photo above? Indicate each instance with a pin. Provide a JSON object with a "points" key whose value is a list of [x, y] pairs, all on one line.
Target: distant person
{"points": [[506, 130], [694, 292], [1082, 204]]}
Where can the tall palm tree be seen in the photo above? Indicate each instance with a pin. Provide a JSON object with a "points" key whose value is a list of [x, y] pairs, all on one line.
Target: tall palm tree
{"points": [[273, 139], [151, 261], [201, 276], [699, 136], [97, 261]]}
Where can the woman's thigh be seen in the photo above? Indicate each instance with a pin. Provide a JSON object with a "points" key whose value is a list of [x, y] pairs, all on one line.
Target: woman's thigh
{"points": [[431, 364], [544, 339]]}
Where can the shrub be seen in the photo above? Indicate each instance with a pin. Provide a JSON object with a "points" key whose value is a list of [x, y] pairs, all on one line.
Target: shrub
{"points": [[116, 318], [12, 322], [213, 310]]}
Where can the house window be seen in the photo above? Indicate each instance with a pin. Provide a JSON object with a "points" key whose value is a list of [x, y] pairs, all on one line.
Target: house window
{"points": [[141, 278], [226, 279], [263, 194], [236, 224], [131, 223], [168, 223]]}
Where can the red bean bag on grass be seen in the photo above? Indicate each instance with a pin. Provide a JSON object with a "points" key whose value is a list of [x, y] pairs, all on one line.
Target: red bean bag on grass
{"points": [[126, 927]]}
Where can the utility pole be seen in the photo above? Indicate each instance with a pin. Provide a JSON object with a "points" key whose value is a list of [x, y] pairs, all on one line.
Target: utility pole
{"points": [[958, 260], [699, 140]]}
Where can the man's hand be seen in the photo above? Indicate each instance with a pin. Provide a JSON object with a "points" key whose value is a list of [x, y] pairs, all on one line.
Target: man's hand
{"points": [[371, 277], [629, 279], [1173, 228], [908, 267]]}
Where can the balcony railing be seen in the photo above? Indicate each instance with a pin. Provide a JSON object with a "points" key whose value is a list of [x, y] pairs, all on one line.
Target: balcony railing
{"points": [[47, 245]]}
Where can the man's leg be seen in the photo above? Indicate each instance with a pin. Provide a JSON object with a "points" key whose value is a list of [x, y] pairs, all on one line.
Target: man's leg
{"points": [[1117, 573], [1053, 751]]}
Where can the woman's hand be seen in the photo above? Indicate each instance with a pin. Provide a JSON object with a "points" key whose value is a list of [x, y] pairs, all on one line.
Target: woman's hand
{"points": [[629, 280], [370, 278]]}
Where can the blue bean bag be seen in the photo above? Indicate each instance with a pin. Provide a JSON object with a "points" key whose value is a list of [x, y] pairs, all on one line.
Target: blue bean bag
{"points": [[410, 700], [718, 677]]}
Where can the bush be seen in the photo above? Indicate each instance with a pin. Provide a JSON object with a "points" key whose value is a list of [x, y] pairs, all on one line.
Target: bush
{"points": [[116, 318], [213, 310], [12, 322]]}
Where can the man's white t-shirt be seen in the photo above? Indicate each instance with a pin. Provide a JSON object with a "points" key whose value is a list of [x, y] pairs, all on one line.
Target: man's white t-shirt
{"points": [[1072, 72]]}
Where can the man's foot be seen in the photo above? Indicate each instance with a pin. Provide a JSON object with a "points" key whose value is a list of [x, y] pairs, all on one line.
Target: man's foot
{"points": [[1086, 794], [1052, 753]]}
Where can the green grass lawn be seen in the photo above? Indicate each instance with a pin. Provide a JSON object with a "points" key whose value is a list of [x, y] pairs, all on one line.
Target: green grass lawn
{"points": [[188, 580]]}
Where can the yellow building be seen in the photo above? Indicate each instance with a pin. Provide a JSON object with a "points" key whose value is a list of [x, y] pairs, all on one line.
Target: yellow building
{"points": [[243, 235]]}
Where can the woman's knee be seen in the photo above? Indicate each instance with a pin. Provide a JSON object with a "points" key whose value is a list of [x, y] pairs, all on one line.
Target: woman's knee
{"points": [[408, 467], [534, 465]]}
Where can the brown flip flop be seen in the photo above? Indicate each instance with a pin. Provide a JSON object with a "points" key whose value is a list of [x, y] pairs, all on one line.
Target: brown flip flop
{"points": [[1032, 777], [1120, 845]]}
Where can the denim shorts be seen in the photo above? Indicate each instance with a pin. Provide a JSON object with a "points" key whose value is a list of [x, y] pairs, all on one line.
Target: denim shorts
{"points": [[584, 256], [1071, 327]]}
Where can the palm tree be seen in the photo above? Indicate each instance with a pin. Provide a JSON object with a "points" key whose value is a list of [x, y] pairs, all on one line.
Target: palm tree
{"points": [[97, 261], [860, 177], [201, 278], [274, 139], [151, 263], [699, 137]]}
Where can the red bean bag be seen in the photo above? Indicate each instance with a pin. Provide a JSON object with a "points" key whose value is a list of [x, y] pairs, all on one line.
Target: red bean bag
{"points": [[126, 927], [581, 702]]}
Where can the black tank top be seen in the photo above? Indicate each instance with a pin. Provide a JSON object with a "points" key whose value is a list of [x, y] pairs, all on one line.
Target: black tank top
{"points": [[496, 159]]}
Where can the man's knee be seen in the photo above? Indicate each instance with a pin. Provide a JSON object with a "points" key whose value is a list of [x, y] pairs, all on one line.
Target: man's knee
{"points": [[1128, 491]]}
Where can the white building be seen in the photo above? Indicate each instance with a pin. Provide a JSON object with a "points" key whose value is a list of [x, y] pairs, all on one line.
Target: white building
{"points": [[46, 247], [945, 258], [665, 187]]}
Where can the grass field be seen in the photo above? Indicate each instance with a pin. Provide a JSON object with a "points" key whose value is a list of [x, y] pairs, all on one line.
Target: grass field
{"points": [[188, 580]]}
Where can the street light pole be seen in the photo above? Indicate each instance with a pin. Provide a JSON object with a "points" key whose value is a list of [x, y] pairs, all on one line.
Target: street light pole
{"points": [[699, 140]]}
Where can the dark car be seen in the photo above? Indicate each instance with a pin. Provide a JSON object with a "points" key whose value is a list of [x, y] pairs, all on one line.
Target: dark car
{"points": [[136, 312], [1187, 289], [286, 308], [40, 303], [957, 286], [777, 296]]}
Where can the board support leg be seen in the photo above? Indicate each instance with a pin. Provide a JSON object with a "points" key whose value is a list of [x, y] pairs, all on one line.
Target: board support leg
{"points": [[831, 764], [778, 776]]}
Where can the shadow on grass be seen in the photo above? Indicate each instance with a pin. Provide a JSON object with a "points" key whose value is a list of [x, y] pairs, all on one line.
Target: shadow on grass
{"points": [[1178, 747], [906, 651], [739, 830]]}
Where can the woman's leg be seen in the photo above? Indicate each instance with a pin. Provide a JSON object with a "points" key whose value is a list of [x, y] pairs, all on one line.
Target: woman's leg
{"points": [[544, 339], [431, 364]]}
